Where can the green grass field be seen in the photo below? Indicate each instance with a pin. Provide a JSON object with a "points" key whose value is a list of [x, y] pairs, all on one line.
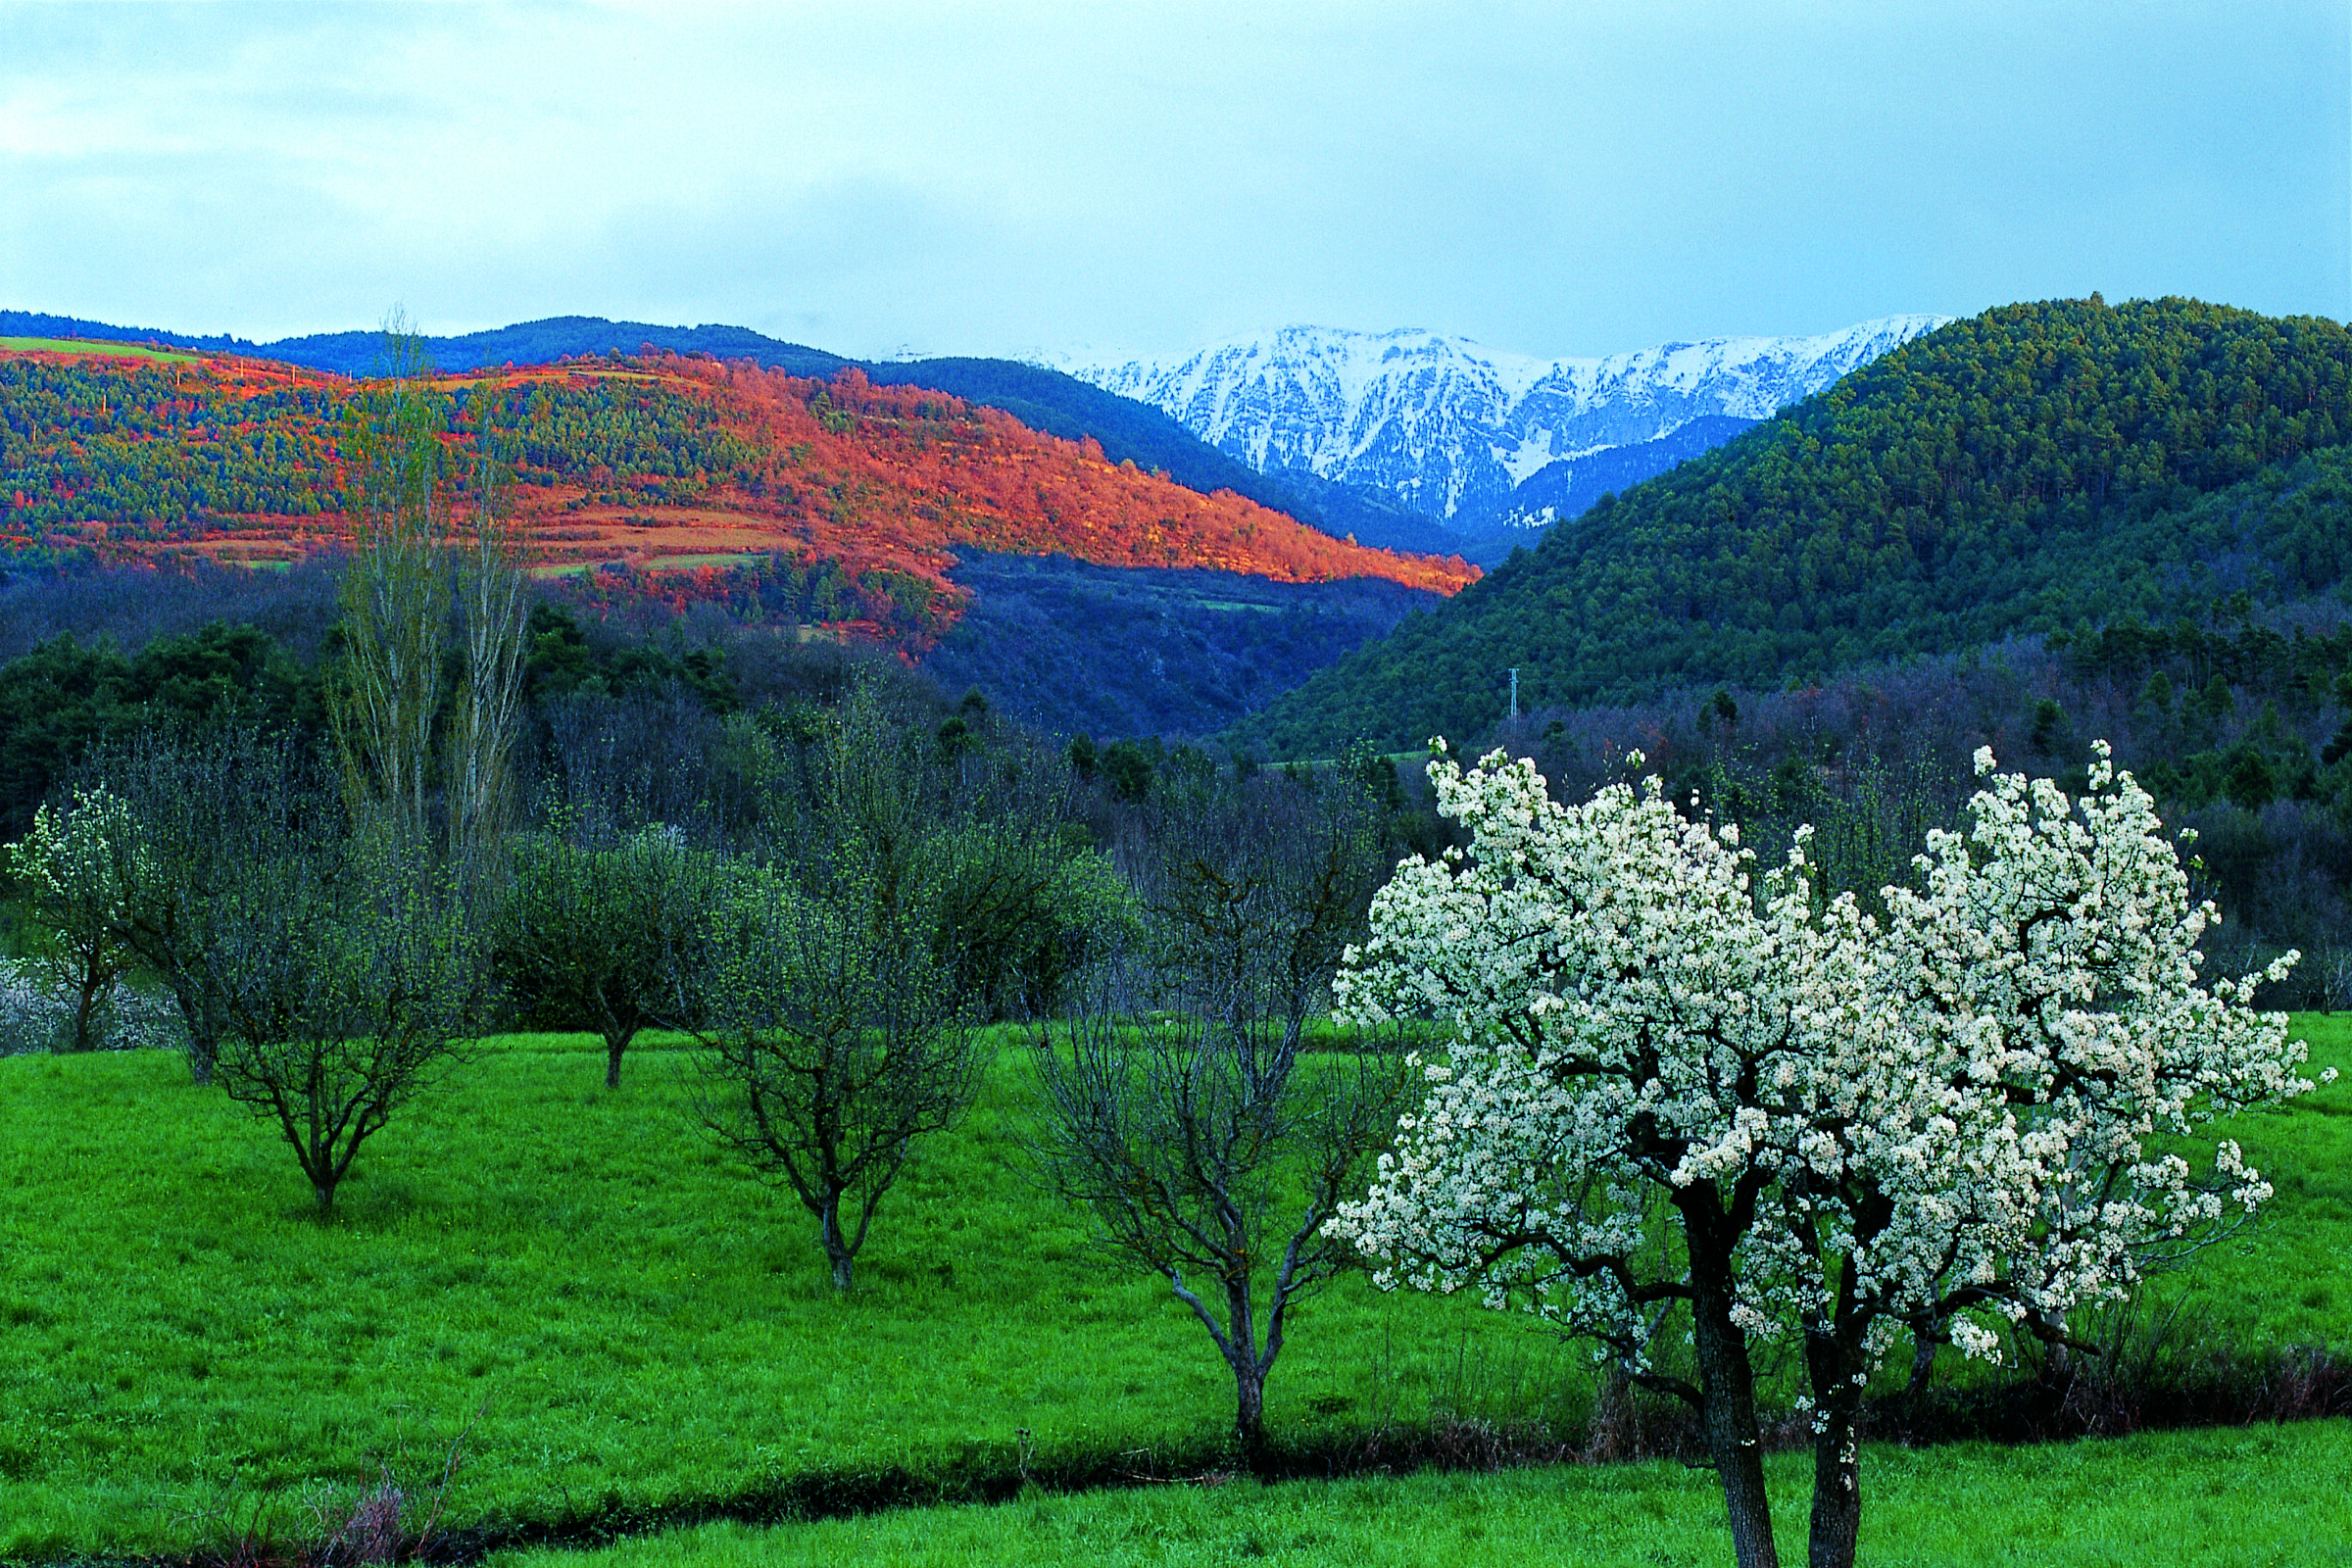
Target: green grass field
{"points": [[2272, 1495], [642, 1319], [71, 345], [637, 1321]]}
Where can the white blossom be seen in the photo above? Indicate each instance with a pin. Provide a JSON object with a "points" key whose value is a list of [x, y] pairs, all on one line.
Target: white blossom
{"points": [[1962, 1120]]}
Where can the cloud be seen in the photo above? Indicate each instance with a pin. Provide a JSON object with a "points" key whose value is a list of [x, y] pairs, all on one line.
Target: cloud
{"points": [[950, 179]]}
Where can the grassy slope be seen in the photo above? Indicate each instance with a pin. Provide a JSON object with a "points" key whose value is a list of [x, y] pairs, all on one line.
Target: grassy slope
{"points": [[2289, 1279], [2219, 1499], [641, 1317], [645, 1321]]}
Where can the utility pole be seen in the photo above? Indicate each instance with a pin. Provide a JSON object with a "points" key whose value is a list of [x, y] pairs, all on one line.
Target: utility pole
{"points": [[1514, 692]]}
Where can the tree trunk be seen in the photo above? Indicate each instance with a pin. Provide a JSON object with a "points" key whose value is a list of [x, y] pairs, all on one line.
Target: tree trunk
{"points": [[1250, 1409], [1922, 1363], [1836, 1490], [614, 1044], [1729, 1415], [202, 1055], [85, 1017], [837, 1250], [324, 1192]]}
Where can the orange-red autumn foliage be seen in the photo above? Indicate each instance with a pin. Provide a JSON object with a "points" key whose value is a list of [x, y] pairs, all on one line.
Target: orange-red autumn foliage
{"points": [[876, 477]]}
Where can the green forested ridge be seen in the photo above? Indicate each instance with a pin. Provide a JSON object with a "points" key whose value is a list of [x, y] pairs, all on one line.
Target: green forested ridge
{"points": [[2032, 469], [145, 446]]}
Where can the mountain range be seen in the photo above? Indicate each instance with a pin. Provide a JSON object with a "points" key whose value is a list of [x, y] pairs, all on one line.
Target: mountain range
{"points": [[1484, 441], [2041, 471], [1400, 440]]}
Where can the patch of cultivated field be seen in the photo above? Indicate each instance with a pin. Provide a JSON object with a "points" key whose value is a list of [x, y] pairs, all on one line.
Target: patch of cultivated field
{"points": [[75, 345]]}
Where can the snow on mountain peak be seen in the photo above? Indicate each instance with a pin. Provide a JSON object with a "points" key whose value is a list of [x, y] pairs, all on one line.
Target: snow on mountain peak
{"points": [[1452, 427]]}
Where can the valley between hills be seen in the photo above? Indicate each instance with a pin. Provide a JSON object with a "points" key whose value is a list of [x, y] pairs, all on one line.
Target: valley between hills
{"points": [[799, 637]]}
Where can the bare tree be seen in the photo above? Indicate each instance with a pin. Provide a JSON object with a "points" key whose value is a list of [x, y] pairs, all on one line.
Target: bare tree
{"points": [[207, 811], [1178, 1109], [835, 1042], [597, 936], [344, 975], [1255, 887], [1204, 1146], [482, 734]]}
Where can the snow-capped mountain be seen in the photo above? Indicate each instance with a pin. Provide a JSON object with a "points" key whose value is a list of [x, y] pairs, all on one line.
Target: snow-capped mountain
{"points": [[1454, 429]]}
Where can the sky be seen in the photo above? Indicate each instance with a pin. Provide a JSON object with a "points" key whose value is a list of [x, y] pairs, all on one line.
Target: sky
{"points": [[1091, 182]]}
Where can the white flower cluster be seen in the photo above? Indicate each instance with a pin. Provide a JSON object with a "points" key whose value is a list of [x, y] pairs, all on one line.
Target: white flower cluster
{"points": [[77, 860], [1944, 1119], [35, 1015], [72, 869]]}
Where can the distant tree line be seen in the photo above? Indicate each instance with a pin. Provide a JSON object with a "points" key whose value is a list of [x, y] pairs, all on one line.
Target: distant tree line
{"points": [[2241, 729]]}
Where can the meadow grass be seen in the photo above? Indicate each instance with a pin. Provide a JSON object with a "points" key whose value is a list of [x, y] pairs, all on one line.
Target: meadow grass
{"points": [[66, 345], [640, 1323], [637, 1319], [2232, 1499]]}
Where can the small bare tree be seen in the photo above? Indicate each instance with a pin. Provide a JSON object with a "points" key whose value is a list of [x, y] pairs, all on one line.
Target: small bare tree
{"points": [[344, 975], [595, 936], [1203, 1144], [835, 1042], [1178, 1109]]}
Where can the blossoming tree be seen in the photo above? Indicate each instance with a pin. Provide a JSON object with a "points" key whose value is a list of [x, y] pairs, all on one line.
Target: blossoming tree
{"points": [[1688, 1103]]}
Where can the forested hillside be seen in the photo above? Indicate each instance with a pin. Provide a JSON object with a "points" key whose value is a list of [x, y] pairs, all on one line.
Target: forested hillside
{"points": [[831, 502], [2038, 467], [1041, 399]]}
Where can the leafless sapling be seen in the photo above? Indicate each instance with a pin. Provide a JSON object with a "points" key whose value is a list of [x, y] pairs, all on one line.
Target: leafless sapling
{"points": [[1177, 1107], [833, 1043], [345, 973]]}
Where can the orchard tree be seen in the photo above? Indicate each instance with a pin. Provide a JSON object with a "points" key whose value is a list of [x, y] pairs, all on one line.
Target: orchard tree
{"points": [[596, 936], [73, 873], [207, 812], [835, 1042], [1180, 1109], [1203, 1143], [344, 972], [1691, 1105]]}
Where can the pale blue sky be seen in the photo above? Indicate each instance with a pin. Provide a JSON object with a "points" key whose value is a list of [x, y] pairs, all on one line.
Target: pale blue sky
{"points": [[1085, 179]]}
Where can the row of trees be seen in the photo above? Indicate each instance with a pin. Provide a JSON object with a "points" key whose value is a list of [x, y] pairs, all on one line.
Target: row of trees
{"points": [[834, 973]]}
